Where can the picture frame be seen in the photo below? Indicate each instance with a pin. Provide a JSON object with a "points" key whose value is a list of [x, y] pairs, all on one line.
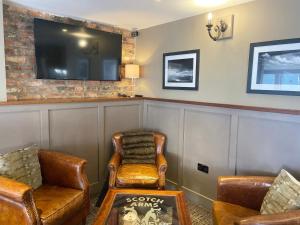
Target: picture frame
{"points": [[274, 67], [181, 70]]}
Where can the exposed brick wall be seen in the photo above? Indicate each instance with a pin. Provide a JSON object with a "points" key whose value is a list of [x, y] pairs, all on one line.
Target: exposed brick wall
{"points": [[20, 60]]}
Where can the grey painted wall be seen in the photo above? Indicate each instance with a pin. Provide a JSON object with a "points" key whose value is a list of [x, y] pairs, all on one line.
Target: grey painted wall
{"points": [[223, 64]]}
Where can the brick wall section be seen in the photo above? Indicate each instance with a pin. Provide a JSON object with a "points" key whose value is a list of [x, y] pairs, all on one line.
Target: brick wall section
{"points": [[20, 60]]}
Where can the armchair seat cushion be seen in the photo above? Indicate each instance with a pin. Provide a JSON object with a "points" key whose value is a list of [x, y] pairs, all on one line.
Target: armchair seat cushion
{"points": [[226, 213], [137, 174], [57, 204]]}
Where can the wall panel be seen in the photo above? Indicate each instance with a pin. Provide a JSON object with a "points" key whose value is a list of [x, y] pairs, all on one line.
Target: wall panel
{"points": [[167, 120], [75, 131], [18, 129], [206, 141], [119, 118], [266, 145]]}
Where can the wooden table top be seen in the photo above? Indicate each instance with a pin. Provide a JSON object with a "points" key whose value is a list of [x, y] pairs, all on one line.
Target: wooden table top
{"points": [[135, 200]]}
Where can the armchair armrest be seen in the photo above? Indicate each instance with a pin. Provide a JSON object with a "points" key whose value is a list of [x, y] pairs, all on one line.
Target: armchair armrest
{"points": [[161, 163], [113, 166], [13, 190], [16, 203], [246, 191], [162, 166], [287, 218], [63, 170]]}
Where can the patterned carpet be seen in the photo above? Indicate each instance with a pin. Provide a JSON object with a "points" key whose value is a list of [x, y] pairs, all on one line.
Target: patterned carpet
{"points": [[199, 215]]}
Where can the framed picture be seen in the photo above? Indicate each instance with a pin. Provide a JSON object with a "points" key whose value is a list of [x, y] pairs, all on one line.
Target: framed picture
{"points": [[181, 70], [274, 67]]}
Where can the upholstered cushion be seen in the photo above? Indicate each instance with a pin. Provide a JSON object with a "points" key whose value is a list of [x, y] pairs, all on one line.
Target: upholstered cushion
{"points": [[12, 166], [284, 195], [143, 151], [138, 147], [32, 165], [136, 159], [137, 136], [226, 213], [22, 165], [137, 174], [57, 204]]}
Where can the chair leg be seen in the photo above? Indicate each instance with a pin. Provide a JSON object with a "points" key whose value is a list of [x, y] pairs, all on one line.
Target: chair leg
{"points": [[103, 192], [83, 221]]}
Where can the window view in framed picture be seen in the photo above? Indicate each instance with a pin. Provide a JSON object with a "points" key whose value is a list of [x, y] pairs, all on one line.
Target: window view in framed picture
{"points": [[274, 67], [181, 70]]}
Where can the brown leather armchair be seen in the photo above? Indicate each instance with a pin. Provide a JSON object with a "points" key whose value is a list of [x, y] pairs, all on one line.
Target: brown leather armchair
{"points": [[239, 200], [137, 175], [63, 199]]}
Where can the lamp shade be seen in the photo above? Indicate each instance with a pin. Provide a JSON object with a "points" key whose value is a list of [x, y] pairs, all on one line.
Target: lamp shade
{"points": [[132, 71]]}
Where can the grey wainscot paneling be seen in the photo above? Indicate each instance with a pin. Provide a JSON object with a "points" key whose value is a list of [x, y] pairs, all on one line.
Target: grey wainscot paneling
{"points": [[228, 141], [166, 119], [75, 131], [268, 142], [19, 128], [119, 117], [206, 141], [80, 129]]}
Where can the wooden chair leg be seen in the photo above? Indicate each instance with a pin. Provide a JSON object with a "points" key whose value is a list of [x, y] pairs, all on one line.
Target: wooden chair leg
{"points": [[161, 188], [83, 222]]}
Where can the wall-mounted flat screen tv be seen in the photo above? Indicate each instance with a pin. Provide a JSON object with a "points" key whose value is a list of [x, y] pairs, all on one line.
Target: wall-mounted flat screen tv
{"points": [[68, 52]]}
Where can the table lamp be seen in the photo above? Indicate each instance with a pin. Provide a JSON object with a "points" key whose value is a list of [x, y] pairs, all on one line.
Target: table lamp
{"points": [[132, 71]]}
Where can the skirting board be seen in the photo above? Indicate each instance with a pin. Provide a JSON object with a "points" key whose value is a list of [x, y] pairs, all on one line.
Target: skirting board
{"points": [[171, 184], [197, 198], [96, 188], [191, 195]]}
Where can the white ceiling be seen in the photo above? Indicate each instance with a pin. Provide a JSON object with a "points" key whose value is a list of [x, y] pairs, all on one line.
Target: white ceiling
{"points": [[129, 13]]}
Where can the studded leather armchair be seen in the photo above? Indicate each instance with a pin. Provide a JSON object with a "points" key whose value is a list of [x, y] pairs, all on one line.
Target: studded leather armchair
{"points": [[137, 175], [239, 200], [63, 199]]}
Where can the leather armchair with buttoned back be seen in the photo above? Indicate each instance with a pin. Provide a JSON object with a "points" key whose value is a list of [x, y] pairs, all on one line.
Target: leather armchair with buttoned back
{"points": [[239, 199], [63, 198], [138, 175]]}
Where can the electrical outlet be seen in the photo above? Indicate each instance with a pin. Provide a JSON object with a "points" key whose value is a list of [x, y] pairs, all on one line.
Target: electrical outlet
{"points": [[203, 168]]}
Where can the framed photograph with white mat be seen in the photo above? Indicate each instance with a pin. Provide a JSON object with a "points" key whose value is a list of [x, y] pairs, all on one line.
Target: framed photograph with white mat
{"points": [[274, 67], [181, 70]]}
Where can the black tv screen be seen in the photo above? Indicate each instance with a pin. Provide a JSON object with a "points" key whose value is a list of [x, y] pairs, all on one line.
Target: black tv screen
{"points": [[68, 52]]}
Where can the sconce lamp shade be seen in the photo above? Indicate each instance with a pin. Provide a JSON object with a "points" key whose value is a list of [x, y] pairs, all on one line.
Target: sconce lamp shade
{"points": [[132, 71]]}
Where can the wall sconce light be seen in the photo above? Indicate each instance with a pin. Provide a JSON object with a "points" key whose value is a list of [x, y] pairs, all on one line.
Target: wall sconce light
{"points": [[223, 28]]}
